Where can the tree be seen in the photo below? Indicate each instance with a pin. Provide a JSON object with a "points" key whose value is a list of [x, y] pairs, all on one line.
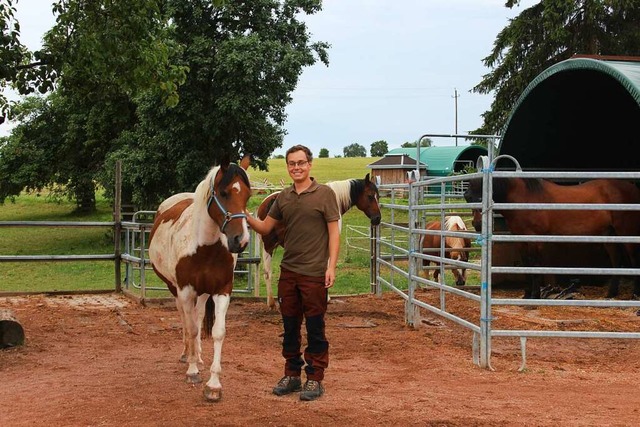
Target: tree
{"points": [[354, 150], [379, 148], [424, 142], [549, 32], [324, 153], [170, 87]]}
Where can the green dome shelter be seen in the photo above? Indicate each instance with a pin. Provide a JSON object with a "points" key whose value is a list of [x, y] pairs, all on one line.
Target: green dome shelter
{"points": [[581, 114], [434, 162]]}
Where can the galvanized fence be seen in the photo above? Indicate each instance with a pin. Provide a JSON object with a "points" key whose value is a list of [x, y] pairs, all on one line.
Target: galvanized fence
{"points": [[398, 256], [130, 239], [137, 263]]}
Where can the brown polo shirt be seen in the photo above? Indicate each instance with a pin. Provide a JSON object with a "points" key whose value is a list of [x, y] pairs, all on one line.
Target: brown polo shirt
{"points": [[305, 216]]}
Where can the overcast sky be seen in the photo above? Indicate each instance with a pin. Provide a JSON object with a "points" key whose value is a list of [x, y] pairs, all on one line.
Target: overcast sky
{"points": [[394, 68]]}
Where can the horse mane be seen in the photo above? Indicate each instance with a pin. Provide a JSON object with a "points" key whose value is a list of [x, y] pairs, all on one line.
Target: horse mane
{"points": [[533, 184], [203, 190], [451, 221], [344, 193], [501, 187]]}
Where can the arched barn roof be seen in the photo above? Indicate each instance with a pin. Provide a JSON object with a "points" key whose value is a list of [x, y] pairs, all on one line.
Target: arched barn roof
{"points": [[580, 114]]}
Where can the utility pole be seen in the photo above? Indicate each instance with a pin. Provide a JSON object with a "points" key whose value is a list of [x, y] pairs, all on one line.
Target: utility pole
{"points": [[455, 97]]}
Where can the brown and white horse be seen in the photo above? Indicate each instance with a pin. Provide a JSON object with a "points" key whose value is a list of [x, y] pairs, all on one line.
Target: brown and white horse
{"points": [[433, 242], [362, 193], [193, 246]]}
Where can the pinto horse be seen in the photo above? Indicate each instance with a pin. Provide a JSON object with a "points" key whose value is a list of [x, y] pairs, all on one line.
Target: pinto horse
{"points": [[193, 247], [456, 246], [362, 193], [566, 222]]}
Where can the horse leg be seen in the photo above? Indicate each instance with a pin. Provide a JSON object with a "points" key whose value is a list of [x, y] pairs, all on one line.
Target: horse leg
{"points": [[267, 270], [183, 356], [532, 259], [200, 308], [614, 252], [188, 303], [213, 389]]}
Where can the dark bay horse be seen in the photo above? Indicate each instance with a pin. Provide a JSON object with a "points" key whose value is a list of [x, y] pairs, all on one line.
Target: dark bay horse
{"points": [[193, 247], [362, 193], [433, 242], [566, 222]]}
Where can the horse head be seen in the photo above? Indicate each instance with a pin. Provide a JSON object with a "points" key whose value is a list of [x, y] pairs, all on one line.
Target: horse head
{"points": [[368, 199], [473, 194], [455, 223], [230, 190]]}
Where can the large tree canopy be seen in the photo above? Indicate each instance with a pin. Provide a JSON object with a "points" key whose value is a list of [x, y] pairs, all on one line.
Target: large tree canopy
{"points": [[549, 32], [169, 86]]}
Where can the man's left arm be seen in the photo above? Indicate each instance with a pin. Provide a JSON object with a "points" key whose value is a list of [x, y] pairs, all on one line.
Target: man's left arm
{"points": [[334, 250]]}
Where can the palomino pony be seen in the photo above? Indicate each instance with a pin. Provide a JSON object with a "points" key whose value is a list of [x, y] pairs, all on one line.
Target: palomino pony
{"points": [[454, 246], [193, 246], [362, 193], [566, 222]]}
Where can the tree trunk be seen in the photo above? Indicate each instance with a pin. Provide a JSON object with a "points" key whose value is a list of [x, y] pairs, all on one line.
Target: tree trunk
{"points": [[11, 332], [85, 193]]}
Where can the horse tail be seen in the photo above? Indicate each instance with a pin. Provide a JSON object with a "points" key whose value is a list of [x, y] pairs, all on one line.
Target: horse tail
{"points": [[209, 316]]}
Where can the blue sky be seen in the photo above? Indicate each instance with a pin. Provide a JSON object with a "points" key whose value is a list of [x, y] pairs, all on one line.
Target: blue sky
{"points": [[394, 68]]}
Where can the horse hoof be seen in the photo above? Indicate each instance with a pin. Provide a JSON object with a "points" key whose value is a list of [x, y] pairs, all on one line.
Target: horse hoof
{"points": [[212, 395], [193, 379]]}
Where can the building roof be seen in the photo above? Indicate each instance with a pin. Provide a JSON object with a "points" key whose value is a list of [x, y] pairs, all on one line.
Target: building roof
{"points": [[394, 161]]}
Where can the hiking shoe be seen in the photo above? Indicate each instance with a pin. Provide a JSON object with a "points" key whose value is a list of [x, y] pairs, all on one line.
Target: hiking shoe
{"points": [[312, 390], [287, 385]]}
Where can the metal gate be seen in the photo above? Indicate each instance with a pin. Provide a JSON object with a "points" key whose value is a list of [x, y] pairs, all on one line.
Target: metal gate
{"points": [[398, 255]]}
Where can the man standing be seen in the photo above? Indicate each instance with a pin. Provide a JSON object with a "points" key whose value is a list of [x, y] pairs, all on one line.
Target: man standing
{"points": [[310, 214]]}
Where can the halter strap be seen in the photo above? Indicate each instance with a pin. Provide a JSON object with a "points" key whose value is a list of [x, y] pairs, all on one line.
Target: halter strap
{"points": [[228, 216]]}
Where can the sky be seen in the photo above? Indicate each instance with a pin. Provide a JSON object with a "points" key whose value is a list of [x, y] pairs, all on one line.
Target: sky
{"points": [[395, 67]]}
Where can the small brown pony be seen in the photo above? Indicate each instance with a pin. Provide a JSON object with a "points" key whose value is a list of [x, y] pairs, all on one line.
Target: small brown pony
{"points": [[432, 242], [566, 222], [193, 247], [363, 193]]}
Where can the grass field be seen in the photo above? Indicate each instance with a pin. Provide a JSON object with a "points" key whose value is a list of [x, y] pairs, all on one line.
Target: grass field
{"points": [[353, 265], [41, 276]]}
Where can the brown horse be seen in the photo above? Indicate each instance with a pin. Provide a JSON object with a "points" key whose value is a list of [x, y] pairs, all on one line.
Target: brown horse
{"points": [[193, 246], [433, 242], [362, 193], [566, 222]]}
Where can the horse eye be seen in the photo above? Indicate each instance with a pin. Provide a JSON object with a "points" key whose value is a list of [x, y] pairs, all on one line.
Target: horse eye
{"points": [[224, 194]]}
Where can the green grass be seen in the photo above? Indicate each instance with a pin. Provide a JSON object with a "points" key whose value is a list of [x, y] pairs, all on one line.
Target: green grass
{"points": [[323, 170], [40, 276], [353, 265]]}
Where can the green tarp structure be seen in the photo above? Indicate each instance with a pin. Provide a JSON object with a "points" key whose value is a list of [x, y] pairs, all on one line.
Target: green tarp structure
{"points": [[444, 161], [582, 114]]}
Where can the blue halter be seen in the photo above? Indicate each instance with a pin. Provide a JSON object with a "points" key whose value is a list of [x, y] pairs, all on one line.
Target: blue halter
{"points": [[228, 216]]}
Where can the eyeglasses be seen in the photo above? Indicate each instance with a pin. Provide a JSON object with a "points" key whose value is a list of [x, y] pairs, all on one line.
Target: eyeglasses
{"points": [[299, 163]]}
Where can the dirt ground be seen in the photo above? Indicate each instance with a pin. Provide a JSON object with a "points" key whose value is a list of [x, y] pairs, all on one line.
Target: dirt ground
{"points": [[108, 361]]}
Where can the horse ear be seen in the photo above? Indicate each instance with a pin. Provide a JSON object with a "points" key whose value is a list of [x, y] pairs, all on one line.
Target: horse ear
{"points": [[366, 178], [246, 161]]}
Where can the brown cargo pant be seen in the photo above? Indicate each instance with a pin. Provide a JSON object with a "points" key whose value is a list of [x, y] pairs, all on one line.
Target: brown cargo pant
{"points": [[303, 296]]}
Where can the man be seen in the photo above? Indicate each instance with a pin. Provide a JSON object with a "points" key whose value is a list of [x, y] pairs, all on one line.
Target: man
{"points": [[310, 214]]}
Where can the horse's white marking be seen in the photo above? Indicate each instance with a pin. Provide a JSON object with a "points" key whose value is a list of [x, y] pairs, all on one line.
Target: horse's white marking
{"points": [[218, 333]]}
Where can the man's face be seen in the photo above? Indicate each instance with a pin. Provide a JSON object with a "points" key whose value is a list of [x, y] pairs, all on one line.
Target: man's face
{"points": [[298, 166]]}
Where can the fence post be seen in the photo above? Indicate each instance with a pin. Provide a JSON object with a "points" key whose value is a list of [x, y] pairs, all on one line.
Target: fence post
{"points": [[485, 272], [117, 228]]}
